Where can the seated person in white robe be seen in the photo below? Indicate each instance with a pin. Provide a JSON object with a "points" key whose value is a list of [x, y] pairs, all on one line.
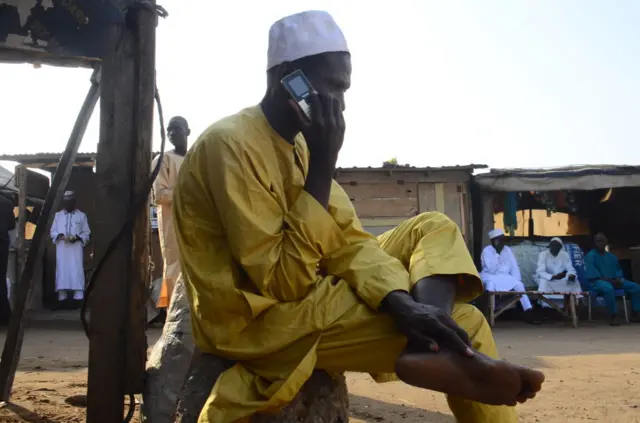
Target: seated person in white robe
{"points": [[500, 271], [555, 272]]}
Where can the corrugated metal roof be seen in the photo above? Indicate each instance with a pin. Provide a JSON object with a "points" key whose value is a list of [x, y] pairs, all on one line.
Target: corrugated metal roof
{"points": [[51, 158], [470, 167], [7, 181], [563, 172], [586, 177], [47, 160], [40, 155], [58, 33]]}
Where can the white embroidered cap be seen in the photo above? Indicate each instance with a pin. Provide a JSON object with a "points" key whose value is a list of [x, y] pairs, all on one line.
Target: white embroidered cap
{"points": [[68, 194], [556, 239], [304, 34], [496, 233]]}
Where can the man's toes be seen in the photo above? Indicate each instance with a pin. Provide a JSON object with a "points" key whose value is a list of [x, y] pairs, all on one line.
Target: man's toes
{"points": [[532, 380], [527, 395], [539, 380]]}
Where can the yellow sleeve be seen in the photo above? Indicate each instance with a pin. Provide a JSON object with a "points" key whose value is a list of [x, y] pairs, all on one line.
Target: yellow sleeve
{"points": [[361, 262], [279, 249], [162, 190]]}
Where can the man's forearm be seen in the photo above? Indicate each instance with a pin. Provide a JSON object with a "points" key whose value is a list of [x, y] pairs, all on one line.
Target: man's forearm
{"points": [[164, 197], [319, 180]]}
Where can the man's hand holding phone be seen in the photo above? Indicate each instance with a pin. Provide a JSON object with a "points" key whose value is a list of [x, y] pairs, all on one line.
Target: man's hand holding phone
{"points": [[324, 135]]}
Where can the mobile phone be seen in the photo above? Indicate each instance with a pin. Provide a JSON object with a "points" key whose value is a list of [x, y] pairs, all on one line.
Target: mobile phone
{"points": [[300, 89]]}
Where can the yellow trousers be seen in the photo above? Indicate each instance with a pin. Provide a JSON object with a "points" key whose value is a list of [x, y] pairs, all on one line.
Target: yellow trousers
{"points": [[356, 338]]}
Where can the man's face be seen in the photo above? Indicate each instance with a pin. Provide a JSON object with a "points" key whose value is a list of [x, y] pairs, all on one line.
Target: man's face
{"points": [[334, 78], [601, 242], [555, 248], [69, 204], [498, 243], [178, 133]]}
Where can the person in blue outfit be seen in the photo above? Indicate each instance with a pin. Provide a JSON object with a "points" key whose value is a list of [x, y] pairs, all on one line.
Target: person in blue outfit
{"points": [[604, 276]]}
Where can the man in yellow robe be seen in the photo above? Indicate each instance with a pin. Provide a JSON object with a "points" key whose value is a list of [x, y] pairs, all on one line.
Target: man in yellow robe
{"points": [[178, 131], [283, 279]]}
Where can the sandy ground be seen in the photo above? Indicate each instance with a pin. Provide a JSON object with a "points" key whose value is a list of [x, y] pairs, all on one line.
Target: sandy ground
{"points": [[593, 375]]}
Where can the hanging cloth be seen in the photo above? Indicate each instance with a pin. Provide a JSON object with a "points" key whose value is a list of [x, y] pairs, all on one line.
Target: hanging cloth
{"points": [[510, 219]]}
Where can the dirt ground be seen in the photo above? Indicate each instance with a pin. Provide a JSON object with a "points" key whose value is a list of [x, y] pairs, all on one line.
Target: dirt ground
{"points": [[593, 374]]}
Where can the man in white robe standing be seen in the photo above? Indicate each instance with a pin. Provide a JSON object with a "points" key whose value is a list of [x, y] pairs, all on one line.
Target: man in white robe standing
{"points": [[555, 272], [500, 272], [70, 233]]}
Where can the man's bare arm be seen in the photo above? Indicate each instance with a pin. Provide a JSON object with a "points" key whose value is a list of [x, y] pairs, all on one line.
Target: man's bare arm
{"points": [[319, 181], [324, 136]]}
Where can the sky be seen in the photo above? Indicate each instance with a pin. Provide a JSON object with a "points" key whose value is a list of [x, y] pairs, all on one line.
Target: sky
{"points": [[507, 83]]}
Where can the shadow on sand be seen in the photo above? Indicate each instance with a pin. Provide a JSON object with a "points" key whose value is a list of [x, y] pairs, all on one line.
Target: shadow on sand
{"points": [[26, 415], [371, 410]]}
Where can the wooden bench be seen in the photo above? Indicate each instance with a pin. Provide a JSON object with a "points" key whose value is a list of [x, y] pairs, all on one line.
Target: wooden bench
{"points": [[569, 297]]}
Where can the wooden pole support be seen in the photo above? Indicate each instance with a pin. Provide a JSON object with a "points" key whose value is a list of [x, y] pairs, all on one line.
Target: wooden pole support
{"points": [[117, 339], [108, 303], [140, 277], [21, 182], [15, 333]]}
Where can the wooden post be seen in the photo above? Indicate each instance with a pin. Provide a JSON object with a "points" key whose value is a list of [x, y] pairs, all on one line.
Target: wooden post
{"points": [[108, 303], [572, 310], [21, 182], [15, 333], [136, 344], [117, 339]]}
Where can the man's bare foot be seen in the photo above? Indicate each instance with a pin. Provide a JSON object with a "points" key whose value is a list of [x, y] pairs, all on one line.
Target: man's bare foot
{"points": [[478, 378]]}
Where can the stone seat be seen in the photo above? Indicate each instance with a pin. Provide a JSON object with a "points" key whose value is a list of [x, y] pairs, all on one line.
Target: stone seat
{"points": [[180, 378], [323, 399]]}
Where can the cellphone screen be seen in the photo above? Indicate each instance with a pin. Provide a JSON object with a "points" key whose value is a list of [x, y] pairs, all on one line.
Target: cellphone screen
{"points": [[298, 86]]}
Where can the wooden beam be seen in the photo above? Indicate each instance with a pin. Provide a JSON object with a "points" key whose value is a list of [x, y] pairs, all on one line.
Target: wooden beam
{"points": [[367, 191], [382, 221], [107, 302], [21, 182], [118, 345], [439, 176], [140, 277], [440, 197], [15, 333], [386, 207]]}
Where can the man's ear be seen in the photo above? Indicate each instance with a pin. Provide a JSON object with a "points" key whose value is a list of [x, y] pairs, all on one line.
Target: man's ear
{"points": [[188, 131]]}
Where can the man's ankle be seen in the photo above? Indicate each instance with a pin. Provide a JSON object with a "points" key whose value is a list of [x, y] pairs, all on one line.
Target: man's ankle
{"points": [[438, 291]]}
